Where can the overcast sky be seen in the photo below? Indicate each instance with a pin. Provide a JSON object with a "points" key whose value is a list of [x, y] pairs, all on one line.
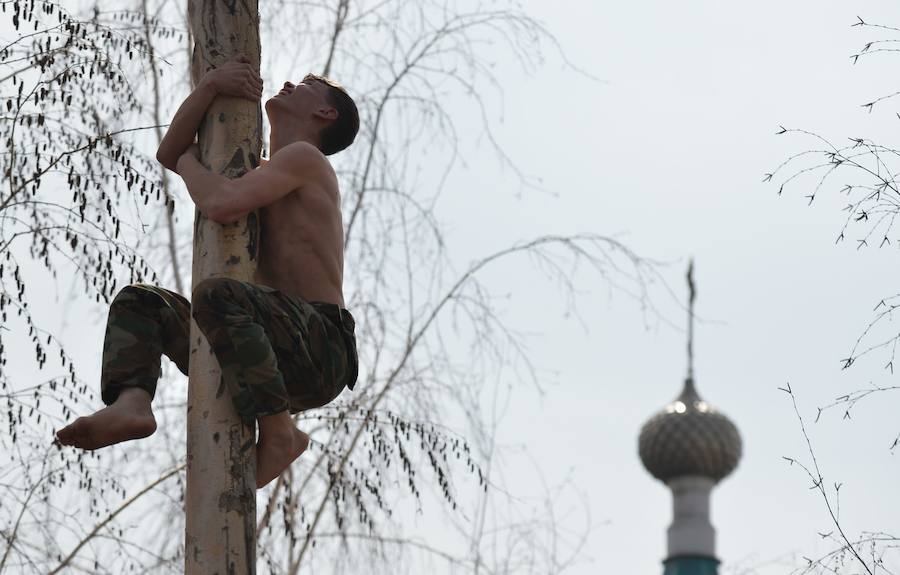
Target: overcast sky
{"points": [[667, 151]]}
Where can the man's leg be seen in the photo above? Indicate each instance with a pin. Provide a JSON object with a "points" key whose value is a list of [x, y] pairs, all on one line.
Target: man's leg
{"points": [[280, 443], [143, 323], [235, 316]]}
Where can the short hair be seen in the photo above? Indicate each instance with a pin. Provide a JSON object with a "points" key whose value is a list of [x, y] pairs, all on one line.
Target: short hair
{"points": [[340, 133]]}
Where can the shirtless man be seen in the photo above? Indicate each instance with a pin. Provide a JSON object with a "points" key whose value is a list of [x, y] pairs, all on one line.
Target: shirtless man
{"points": [[285, 342]]}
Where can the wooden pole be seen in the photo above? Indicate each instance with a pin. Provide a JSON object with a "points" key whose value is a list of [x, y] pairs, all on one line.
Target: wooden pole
{"points": [[220, 500]]}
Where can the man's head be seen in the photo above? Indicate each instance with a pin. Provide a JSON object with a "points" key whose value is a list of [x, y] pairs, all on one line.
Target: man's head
{"points": [[322, 103]]}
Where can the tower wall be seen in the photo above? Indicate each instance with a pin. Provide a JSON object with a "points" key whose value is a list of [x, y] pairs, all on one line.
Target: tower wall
{"points": [[691, 533]]}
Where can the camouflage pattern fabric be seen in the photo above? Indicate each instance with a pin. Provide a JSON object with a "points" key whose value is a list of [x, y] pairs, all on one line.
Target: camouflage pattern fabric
{"points": [[276, 351]]}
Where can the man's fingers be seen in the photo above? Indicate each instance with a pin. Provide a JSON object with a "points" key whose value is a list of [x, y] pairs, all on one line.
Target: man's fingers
{"points": [[251, 74], [253, 81], [242, 80]]}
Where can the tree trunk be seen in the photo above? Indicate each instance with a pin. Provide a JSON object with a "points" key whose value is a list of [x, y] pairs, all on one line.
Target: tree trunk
{"points": [[220, 503]]}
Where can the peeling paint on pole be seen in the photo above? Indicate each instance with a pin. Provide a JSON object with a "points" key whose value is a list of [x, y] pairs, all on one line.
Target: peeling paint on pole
{"points": [[220, 500]]}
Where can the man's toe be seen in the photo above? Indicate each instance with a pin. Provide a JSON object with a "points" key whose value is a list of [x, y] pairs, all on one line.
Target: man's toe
{"points": [[64, 435], [68, 435]]}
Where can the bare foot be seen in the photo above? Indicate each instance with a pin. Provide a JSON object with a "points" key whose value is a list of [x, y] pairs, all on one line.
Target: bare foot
{"points": [[273, 455], [130, 417]]}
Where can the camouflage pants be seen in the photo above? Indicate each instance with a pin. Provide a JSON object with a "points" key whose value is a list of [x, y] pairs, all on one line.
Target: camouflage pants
{"points": [[277, 352]]}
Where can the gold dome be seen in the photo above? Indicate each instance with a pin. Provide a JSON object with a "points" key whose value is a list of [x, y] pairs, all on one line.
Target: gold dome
{"points": [[689, 437]]}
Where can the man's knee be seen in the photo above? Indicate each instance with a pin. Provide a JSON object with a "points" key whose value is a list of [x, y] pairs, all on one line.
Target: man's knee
{"points": [[210, 291], [129, 294]]}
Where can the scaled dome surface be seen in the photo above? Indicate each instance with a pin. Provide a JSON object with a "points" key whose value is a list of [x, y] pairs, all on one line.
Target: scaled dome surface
{"points": [[689, 437]]}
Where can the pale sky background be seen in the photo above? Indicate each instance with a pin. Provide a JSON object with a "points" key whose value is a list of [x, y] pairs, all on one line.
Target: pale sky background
{"points": [[668, 152]]}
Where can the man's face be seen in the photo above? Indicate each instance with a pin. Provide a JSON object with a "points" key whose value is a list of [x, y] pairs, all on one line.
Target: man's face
{"points": [[302, 99]]}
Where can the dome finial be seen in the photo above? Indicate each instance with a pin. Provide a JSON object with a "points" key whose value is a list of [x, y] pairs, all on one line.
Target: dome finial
{"points": [[692, 291]]}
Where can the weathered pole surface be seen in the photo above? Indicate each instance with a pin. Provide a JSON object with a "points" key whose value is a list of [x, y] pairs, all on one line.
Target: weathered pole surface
{"points": [[220, 501]]}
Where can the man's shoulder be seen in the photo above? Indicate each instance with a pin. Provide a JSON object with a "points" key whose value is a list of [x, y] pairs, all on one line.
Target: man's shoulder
{"points": [[308, 165], [303, 151]]}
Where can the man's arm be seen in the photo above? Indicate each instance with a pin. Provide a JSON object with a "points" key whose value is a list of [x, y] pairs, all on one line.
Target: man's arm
{"points": [[225, 200], [184, 125], [235, 77]]}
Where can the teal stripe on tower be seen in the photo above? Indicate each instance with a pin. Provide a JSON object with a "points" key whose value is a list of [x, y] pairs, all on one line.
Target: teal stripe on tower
{"points": [[691, 566]]}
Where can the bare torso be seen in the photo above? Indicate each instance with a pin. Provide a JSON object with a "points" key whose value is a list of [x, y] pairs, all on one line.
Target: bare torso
{"points": [[301, 251]]}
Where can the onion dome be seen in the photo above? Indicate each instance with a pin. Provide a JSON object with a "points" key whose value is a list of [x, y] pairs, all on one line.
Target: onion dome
{"points": [[689, 437]]}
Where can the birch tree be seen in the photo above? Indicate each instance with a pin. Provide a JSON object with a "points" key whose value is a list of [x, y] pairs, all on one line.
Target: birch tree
{"points": [[73, 182], [418, 435], [220, 506]]}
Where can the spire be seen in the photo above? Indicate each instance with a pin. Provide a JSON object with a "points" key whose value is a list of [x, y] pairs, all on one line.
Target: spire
{"points": [[692, 294]]}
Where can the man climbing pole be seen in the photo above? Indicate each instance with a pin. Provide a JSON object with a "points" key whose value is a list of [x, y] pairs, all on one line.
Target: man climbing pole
{"points": [[268, 272], [285, 343]]}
